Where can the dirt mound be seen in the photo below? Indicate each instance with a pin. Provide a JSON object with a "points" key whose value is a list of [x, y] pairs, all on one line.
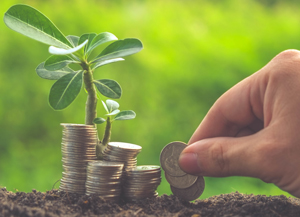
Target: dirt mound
{"points": [[54, 203]]}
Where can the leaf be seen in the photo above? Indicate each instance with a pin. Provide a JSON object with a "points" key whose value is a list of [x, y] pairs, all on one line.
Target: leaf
{"points": [[100, 39], [113, 112], [125, 115], [56, 62], [109, 88], [105, 107], [65, 90], [90, 38], [98, 64], [33, 24], [61, 51], [120, 48], [99, 120], [73, 39], [112, 105], [52, 75]]}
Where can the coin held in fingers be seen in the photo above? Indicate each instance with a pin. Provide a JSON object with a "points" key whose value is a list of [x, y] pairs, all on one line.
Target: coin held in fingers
{"points": [[169, 158], [185, 186]]}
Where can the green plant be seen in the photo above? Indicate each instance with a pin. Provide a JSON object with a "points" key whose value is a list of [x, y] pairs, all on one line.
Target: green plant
{"points": [[76, 50]]}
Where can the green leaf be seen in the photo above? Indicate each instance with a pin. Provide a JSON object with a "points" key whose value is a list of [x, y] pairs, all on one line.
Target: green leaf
{"points": [[65, 90], [100, 39], [109, 88], [112, 105], [113, 112], [91, 36], [73, 39], [62, 51], [125, 115], [56, 62], [105, 107], [120, 48], [52, 75], [98, 64], [83, 38], [99, 120], [33, 24]]}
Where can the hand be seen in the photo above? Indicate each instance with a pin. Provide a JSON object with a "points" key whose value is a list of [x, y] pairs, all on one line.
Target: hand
{"points": [[253, 129]]}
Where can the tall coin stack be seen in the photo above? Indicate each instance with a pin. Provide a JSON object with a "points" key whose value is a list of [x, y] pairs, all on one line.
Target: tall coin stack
{"points": [[104, 178], [122, 153], [141, 182], [185, 186], [78, 148]]}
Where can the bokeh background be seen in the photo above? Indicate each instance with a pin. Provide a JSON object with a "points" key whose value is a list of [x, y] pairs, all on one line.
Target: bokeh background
{"points": [[193, 52]]}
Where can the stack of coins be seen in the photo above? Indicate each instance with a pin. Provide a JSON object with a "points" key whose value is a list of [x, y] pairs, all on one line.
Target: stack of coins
{"points": [[183, 185], [78, 148], [123, 153], [141, 182], [104, 178]]}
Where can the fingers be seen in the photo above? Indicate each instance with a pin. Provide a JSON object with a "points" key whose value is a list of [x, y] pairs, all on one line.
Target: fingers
{"points": [[222, 156], [237, 109]]}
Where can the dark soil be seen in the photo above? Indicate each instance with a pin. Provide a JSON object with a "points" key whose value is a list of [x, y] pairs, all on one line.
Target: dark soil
{"points": [[54, 203]]}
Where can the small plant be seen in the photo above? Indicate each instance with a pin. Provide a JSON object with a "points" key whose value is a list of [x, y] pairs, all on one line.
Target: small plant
{"points": [[76, 50]]}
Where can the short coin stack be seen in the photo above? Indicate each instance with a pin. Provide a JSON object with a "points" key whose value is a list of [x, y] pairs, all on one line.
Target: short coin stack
{"points": [[123, 153], [141, 182], [104, 178], [183, 185], [78, 148]]}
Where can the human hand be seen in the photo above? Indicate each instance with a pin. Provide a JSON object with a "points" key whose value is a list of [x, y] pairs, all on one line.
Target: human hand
{"points": [[253, 129]]}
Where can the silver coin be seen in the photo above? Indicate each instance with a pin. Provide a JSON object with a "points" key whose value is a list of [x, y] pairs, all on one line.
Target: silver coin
{"points": [[184, 181], [124, 145], [169, 158], [192, 192]]}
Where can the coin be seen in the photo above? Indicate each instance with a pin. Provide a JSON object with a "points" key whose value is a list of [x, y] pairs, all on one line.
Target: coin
{"points": [[192, 192], [169, 158], [104, 179], [184, 181], [78, 148], [141, 182], [122, 152]]}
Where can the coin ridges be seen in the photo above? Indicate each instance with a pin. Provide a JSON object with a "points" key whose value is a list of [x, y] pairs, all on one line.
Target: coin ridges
{"points": [[78, 148]]}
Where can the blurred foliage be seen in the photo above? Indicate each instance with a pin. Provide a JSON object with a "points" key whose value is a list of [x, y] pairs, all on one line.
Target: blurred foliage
{"points": [[193, 52]]}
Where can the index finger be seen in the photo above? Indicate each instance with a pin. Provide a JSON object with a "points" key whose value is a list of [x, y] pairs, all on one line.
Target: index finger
{"points": [[238, 108]]}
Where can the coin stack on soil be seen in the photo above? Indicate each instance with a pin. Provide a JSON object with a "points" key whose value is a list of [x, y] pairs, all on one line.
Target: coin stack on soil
{"points": [[78, 148], [141, 182], [122, 153], [185, 186], [104, 178]]}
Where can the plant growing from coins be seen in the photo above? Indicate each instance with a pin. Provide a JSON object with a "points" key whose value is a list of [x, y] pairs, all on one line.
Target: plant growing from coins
{"points": [[76, 50]]}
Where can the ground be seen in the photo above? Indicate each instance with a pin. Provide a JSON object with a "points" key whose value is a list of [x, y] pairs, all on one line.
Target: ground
{"points": [[54, 203]]}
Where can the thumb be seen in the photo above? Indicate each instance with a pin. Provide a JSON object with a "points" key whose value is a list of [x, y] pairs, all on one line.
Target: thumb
{"points": [[222, 156]]}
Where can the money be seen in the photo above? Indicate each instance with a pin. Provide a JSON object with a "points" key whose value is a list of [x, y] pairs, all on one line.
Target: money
{"points": [[183, 185], [141, 182], [169, 158], [104, 179], [123, 153], [184, 181], [192, 192], [78, 148]]}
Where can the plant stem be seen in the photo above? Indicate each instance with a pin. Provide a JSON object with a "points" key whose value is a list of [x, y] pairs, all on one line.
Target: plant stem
{"points": [[106, 137], [91, 103]]}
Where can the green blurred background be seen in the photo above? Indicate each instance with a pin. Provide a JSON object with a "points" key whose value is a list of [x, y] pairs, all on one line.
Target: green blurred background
{"points": [[193, 52]]}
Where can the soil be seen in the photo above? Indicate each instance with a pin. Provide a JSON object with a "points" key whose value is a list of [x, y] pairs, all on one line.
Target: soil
{"points": [[56, 203]]}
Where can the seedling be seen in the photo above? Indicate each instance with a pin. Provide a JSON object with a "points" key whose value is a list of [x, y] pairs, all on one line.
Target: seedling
{"points": [[76, 50]]}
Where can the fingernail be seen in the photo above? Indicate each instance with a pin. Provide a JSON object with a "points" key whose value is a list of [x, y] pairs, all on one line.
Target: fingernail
{"points": [[189, 163]]}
